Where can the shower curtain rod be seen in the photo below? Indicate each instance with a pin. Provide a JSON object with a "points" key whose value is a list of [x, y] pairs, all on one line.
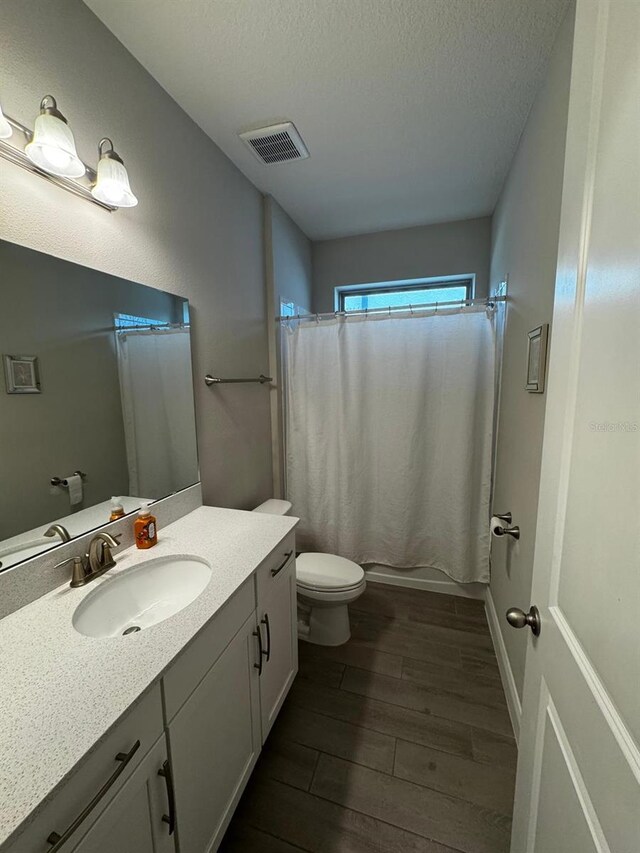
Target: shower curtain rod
{"points": [[409, 309]]}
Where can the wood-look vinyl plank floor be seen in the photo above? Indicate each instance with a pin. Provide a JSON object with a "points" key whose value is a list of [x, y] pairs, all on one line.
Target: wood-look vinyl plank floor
{"points": [[398, 741]]}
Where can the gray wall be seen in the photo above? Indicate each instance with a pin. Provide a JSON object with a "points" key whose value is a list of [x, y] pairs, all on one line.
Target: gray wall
{"points": [[451, 248], [525, 246], [197, 232], [288, 257], [289, 253], [63, 313]]}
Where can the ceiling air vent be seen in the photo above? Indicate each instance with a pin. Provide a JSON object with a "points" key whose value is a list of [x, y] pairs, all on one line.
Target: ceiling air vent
{"points": [[278, 143]]}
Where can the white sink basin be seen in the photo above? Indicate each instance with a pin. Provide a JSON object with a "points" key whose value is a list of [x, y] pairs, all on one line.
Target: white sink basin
{"points": [[141, 596]]}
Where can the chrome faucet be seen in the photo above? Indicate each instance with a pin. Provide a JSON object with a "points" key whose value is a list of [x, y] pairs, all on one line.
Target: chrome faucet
{"points": [[58, 530], [95, 562]]}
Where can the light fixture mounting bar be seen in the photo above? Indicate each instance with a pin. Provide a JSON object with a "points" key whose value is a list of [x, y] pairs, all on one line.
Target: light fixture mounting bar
{"points": [[80, 187]]}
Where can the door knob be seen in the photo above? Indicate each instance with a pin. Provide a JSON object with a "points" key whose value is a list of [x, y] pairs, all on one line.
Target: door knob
{"points": [[518, 618]]}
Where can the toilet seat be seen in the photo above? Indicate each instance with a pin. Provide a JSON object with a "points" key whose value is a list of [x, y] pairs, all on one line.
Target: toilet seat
{"points": [[327, 573]]}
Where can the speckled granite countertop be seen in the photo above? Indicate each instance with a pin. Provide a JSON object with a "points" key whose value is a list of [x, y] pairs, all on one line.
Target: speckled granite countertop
{"points": [[48, 671]]}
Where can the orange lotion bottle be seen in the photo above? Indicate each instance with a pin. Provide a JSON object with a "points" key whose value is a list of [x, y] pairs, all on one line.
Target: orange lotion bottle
{"points": [[145, 529]]}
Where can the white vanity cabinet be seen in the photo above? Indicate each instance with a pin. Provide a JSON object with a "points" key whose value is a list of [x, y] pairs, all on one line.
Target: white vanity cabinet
{"points": [[277, 623], [169, 775], [215, 741], [114, 800], [222, 696]]}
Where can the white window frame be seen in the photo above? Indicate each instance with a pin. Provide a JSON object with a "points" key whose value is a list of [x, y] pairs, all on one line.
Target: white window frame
{"points": [[402, 284]]}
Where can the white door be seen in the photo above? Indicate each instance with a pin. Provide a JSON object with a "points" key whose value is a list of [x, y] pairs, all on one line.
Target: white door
{"points": [[215, 742], [277, 611], [578, 785], [137, 819]]}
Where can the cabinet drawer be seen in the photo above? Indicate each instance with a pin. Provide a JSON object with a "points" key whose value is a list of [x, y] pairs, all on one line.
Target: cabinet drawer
{"points": [[197, 659], [269, 570], [143, 723]]}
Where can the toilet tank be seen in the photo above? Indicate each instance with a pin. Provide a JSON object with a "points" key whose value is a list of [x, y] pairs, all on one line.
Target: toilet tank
{"points": [[274, 507]]}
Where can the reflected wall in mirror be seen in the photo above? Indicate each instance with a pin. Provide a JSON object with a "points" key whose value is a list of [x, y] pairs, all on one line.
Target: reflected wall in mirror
{"points": [[115, 412]]}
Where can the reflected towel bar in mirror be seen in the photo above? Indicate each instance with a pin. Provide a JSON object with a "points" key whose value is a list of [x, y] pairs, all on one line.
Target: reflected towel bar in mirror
{"points": [[214, 380]]}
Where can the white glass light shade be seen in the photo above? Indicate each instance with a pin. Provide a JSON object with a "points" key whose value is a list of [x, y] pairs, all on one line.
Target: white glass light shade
{"points": [[5, 127], [53, 148], [112, 184]]}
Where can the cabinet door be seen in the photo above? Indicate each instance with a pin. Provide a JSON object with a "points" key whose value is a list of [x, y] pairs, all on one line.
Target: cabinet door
{"points": [[278, 625], [215, 742], [133, 820]]}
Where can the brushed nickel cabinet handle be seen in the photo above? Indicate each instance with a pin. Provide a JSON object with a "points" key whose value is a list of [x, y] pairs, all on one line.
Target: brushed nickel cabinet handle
{"points": [[165, 772], [274, 572], [265, 622], [58, 840], [258, 665]]}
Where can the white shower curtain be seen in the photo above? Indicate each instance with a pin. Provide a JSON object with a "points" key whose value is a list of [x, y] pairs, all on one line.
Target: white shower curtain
{"points": [[389, 434], [157, 403]]}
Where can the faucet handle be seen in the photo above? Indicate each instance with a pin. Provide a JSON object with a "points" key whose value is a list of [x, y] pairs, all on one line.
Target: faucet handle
{"points": [[79, 573]]}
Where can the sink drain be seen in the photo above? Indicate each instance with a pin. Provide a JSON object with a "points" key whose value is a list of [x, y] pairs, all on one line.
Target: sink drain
{"points": [[132, 630]]}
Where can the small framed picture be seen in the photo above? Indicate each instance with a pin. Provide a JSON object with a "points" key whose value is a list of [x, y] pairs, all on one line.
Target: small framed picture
{"points": [[21, 374], [537, 359]]}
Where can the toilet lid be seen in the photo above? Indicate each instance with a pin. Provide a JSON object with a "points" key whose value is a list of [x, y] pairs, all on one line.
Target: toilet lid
{"points": [[327, 571]]}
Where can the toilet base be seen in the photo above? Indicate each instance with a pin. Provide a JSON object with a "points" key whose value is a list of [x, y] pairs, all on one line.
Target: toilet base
{"points": [[324, 621], [328, 626]]}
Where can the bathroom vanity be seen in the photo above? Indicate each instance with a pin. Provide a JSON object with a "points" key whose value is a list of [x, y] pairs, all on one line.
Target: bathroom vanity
{"points": [[126, 743]]}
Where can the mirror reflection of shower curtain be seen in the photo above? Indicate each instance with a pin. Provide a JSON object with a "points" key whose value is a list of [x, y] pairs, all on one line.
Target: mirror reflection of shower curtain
{"points": [[157, 404], [389, 438]]}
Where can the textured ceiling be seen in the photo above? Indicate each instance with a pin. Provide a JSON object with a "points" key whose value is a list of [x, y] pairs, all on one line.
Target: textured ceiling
{"points": [[411, 109]]}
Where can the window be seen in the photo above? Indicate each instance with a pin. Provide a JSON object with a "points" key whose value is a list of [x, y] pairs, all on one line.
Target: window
{"points": [[402, 294], [130, 321]]}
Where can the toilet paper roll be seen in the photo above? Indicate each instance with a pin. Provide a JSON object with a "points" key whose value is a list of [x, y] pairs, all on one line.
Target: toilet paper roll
{"points": [[74, 485], [497, 526]]}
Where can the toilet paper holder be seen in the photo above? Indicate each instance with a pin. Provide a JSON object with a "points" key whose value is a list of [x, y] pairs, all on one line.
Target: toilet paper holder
{"points": [[514, 532], [62, 481]]}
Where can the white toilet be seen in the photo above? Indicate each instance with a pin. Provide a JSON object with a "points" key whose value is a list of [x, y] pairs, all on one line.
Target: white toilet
{"points": [[326, 585]]}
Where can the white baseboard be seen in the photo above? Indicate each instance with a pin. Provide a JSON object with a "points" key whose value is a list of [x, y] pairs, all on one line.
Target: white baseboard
{"points": [[446, 585], [506, 673]]}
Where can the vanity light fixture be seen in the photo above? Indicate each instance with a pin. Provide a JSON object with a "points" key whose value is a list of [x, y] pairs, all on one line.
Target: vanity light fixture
{"points": [[5, 127], [53, 147], [49, 151], [112, 184]]}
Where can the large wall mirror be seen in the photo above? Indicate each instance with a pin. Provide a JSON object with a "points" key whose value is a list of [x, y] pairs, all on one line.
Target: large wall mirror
{"points": [[96, 399]]}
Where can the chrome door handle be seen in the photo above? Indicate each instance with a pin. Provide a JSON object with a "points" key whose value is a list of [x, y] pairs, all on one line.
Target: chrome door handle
{"points": [[519, 619]]}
